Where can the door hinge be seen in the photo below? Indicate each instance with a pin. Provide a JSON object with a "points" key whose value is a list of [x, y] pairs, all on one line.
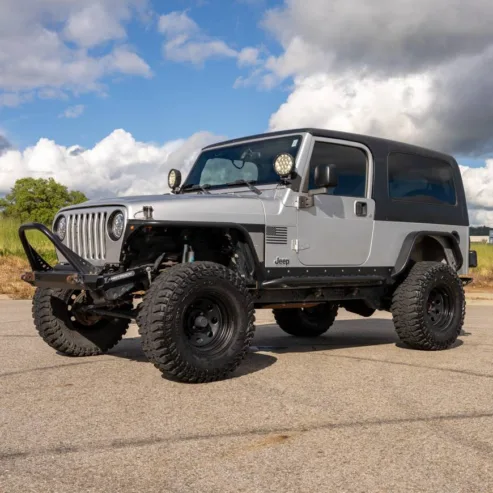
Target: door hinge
{"points": [[296, 245], [303, 201]]}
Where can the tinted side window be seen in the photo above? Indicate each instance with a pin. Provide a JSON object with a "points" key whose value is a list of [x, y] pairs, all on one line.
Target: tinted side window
{"points": [[350, 165], [420, 179]]}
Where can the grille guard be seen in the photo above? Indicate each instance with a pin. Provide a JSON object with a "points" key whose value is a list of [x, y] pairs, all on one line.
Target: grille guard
{"points": [[38, 263]]}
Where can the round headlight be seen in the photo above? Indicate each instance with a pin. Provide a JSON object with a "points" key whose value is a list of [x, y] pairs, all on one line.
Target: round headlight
{"points": [[284, 164], [174, 179], [61, 227], [116, 225]]}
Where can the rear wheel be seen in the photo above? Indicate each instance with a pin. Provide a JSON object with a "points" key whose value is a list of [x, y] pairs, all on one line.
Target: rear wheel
{"points": [[71, 331], [306, 322], [197, 322], [428, 308]]}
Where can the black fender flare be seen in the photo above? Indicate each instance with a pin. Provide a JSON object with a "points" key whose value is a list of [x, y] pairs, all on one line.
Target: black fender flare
{"points": [[448, 241]]}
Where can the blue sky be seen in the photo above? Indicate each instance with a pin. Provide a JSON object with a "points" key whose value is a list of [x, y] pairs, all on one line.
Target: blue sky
{"points": [[141, 85], [178, 100]]}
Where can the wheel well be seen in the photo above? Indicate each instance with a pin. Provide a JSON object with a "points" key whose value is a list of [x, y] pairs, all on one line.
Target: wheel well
{"points": [[426, 249], [228, 246]]}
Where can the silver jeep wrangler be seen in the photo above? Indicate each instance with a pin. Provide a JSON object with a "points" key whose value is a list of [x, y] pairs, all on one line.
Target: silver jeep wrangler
{"points": [[302, 222]]}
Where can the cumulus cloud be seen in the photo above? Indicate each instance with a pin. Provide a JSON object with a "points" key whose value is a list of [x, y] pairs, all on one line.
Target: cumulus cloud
{"points": [[117, 165], [409, 69], [185, 41], [48, 45], [73, 111]]}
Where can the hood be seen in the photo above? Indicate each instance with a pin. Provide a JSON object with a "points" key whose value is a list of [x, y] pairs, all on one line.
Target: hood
{"points": [[229, 207]]}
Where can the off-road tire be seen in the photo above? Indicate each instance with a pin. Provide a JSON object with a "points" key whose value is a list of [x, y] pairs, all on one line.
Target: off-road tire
{"points": [[300, 322], [415, 313], [52, 320], [165, 316]]}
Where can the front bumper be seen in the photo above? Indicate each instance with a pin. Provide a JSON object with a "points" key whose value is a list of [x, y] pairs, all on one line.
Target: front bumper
{"points": [[78, 273]]}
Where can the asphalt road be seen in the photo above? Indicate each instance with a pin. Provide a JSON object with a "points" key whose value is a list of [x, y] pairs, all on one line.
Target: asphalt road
{"points": [[352, 411]]}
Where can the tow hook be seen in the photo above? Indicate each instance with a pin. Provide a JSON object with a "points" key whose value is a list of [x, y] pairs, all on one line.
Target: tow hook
{"points": [[28, 277], [74, 279]]}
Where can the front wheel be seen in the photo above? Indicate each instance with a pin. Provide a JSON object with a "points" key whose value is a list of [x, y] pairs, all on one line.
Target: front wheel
{"points": [[306, 322], [68, 330], [428, 308], [197, 322]]}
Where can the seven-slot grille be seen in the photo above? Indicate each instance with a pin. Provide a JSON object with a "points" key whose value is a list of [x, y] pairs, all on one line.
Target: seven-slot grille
{"points": [[86, 234], [277, 235]]}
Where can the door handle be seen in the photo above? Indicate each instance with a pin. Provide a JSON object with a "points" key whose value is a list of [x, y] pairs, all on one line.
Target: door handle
{"points": [[361, 208]]}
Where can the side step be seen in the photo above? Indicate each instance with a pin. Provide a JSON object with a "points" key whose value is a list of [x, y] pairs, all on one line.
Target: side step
{"points": [[326, 281]]}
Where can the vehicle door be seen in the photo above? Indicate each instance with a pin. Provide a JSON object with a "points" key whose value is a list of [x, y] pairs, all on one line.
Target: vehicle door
{"points": [[336, 229]]}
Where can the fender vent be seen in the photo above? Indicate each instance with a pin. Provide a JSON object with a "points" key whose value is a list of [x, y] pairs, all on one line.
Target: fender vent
{"points": [[277, 235]]}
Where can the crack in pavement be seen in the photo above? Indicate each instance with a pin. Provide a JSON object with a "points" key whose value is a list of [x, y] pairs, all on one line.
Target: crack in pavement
{"points": [[144, 442], [18, 335], [412, 365], [44, 368]]}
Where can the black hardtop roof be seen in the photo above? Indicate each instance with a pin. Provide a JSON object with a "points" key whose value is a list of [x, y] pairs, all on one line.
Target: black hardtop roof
{"points": [[368, 140]]}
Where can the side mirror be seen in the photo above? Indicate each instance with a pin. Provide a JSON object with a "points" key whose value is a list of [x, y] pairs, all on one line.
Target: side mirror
{"points": [[325, 176]]}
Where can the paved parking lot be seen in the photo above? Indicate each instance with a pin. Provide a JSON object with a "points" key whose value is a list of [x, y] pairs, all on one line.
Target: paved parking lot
{"points": [[352, 411]]}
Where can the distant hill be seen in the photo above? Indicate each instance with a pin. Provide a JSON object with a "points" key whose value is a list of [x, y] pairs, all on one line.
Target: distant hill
{"points": [[480, 230]]}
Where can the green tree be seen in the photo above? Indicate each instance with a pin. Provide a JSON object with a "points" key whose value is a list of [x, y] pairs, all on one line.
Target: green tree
{"points": [[38, 199]]}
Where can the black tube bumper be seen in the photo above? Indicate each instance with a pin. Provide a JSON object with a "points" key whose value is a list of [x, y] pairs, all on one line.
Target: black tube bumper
{"points": [[78, 273]]}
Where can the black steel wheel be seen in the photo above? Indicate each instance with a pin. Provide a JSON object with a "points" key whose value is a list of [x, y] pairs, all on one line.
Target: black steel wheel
{"points": [[69, 330], [428, 307], [208, 323], [306, 322], [197, 322], [441, 307]]}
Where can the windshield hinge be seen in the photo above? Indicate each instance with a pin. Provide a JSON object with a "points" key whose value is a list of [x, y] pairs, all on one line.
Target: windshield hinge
{"points": [[303, 201]]}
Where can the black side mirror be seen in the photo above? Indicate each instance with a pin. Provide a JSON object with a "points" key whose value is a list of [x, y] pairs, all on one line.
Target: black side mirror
{"points": [[325, 176]]}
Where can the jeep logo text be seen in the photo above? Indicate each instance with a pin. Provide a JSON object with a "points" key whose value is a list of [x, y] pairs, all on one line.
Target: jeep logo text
{"points": [[281, 261]]}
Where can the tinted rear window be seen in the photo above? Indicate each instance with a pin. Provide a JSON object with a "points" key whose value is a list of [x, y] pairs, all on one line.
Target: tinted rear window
{"points": [[420, 179]]}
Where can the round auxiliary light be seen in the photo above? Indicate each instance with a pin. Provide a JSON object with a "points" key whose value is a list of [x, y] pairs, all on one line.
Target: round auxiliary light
{"points": [[174, 179], [61, 227], [116, 225], [284, 164]]}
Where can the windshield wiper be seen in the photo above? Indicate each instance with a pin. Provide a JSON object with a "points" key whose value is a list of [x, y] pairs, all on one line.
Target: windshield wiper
{"points": [[244, 182], [205, 187]]}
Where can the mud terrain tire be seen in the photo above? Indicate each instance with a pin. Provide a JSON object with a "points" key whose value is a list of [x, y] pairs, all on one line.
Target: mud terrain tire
{"points": [[53, 320], [428, 308], [197, 322]]}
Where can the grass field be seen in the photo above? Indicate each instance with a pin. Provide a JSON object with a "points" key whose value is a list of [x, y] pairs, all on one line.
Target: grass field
{"points": [[13, 262]]}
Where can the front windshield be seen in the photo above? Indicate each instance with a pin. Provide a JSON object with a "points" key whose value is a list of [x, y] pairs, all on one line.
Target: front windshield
{"points": [[252, 161]]}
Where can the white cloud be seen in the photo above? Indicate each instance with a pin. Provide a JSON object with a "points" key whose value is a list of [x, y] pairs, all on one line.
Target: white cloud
{"points": [[385, 36], [94, 24], [13, 99], [393, 107], [248, 56], [48, 45], [73, 111], [478, 184], [177, 23], [418, 70], [117, 165], [185, 41]]}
